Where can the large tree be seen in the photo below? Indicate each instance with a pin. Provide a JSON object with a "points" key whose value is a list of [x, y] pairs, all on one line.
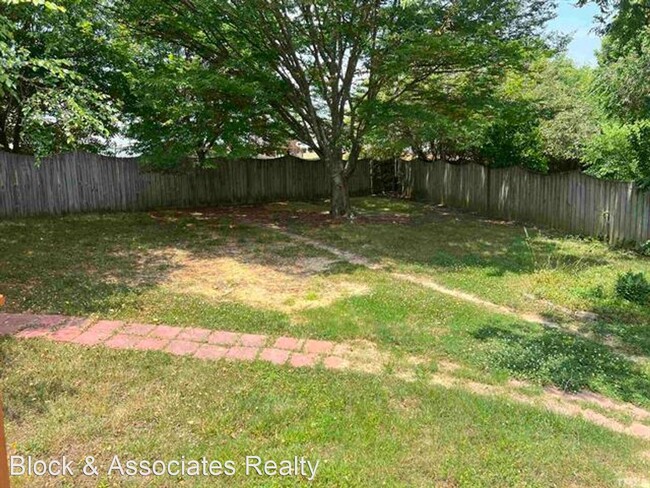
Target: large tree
{"points": [[333, 65], [622, 20], [179, 107], [58, 82]]}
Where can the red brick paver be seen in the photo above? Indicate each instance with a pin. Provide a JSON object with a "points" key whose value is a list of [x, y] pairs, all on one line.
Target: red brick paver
{"points": [[33, 332], [242, 353], [10, 329], [139, 329], [207, 351], [41, 326], [107, 326], [289, 343], [194, 334], [98, 333], [151, 344], [165, 332], [199, 343], [50, 321], [70, 330], [318, 347], [88, 338], [122, 341], [303, 360], [182, 348], [223, 337], [253, 340], [11, 324], [275, 356]]}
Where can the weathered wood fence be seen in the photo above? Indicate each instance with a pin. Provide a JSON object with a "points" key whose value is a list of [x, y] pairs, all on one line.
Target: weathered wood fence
{"points": [[571, 202], [82, 182]]}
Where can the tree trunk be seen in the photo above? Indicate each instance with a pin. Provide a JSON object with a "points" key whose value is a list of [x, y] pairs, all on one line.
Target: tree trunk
{"points": [[340, 206], [18, 127]]}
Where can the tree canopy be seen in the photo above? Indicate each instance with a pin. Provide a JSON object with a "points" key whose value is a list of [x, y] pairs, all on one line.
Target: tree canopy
{"points": [[59, 88], [622, 149], [477, 80], [337, 69]]}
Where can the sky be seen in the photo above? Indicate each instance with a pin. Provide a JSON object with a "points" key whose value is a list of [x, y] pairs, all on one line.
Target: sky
{"points": [[578, 22]]}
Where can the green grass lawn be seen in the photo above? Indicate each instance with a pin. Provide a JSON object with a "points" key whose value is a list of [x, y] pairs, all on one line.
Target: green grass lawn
{"points": [[525, 268], [193, 269], [502, 262], [365, 430]]}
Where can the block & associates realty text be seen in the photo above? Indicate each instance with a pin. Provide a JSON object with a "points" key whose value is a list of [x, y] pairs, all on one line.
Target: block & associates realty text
{"points": [[121, 467]]}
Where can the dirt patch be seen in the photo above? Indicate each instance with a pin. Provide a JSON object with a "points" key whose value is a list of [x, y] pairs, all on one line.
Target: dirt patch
{"points": [[605, 403], [284, 284], [278, 214], [363, 356], [636, 482]]}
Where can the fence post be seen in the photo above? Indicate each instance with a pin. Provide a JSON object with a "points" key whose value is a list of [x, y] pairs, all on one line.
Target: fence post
{"points": [[488, 186], [4, 466]]}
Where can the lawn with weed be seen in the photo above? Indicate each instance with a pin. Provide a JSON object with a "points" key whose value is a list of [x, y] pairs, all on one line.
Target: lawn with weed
{"points": [[186, 269], [503, 262], [365, 430]]}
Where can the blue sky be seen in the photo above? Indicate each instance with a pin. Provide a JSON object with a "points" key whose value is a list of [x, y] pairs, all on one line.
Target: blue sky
{"points": [[579, 23]]}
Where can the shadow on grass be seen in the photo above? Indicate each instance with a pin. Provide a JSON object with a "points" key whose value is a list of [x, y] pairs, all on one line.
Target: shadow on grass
{"points": [[105, 263], [634, 336], [567, 361], [468, 249], [80, 264], [456, 241]]}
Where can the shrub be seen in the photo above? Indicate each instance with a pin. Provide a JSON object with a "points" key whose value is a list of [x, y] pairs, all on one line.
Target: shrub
{"points": [[633, 287], [645, 249], [640, 142], [610, 154], [620, 152]]}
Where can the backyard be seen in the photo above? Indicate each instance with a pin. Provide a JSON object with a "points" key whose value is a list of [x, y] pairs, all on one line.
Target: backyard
{"points": [[334, 242], [469, 352]]}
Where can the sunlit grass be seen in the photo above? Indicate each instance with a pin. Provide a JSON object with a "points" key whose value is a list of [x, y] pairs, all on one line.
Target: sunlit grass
{"points": [[114, 266], [364, 430]]}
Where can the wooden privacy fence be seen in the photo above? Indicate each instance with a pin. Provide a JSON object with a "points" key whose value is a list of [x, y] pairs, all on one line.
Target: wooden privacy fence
{"points": [[82, 182], [571, 201]]}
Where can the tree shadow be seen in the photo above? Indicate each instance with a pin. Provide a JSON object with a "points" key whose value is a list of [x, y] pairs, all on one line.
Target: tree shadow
{"points": [[100, 264], [634, 336], [567, 361], [80, 264], [466, 247], [452, 240]]}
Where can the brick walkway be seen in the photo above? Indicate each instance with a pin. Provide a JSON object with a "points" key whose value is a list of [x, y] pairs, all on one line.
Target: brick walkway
{"points": [[200, 343], [207, 344]]}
